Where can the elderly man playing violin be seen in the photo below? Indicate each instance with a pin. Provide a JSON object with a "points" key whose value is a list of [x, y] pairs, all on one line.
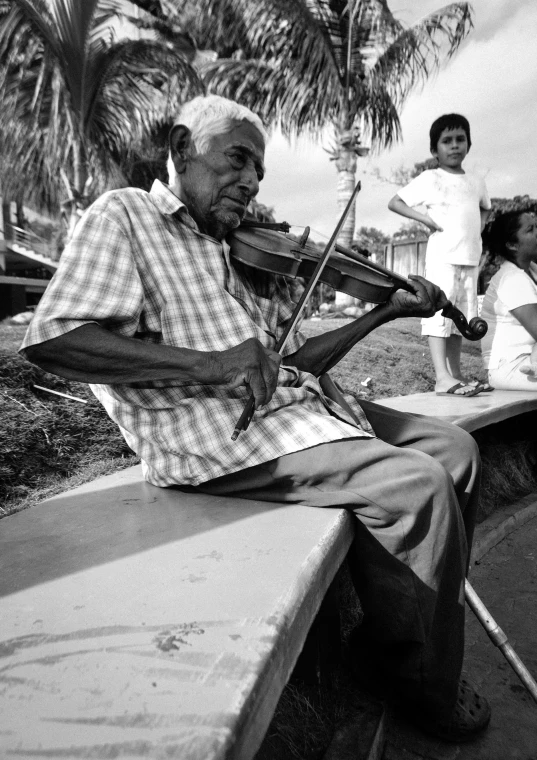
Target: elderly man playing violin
{"points": [[173, 335]]}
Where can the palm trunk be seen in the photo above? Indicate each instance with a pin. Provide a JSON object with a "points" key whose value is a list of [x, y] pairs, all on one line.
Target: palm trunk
{"points": [[80, 177], [346, 166]]}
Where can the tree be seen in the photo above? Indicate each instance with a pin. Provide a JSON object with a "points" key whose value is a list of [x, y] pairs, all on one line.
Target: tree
{"points": [[518, 203], [372, 240], [412, 231], [74, 97], [402, 176], [307, 64]]}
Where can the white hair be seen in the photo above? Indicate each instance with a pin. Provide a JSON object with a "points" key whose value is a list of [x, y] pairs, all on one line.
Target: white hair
{"points": [[210, 115]]}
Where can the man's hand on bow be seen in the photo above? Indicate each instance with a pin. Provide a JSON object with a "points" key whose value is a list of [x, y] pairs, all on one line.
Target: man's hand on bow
{"points": [[249, 364]]}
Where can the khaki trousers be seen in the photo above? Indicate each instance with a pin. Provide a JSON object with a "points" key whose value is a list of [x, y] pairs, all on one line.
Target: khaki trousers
{"points": [[414, 491]]}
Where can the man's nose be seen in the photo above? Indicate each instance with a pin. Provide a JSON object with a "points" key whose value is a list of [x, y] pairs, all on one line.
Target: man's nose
{"points": [[249, 179]]}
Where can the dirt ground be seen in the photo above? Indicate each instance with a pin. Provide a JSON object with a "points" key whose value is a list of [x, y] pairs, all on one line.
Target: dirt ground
{"points": [[506, 581]]}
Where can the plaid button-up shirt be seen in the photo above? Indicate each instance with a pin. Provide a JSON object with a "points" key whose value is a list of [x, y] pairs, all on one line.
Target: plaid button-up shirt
{"points": [[138, 266]]}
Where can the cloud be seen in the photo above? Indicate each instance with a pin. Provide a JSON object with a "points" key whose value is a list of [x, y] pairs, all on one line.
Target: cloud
{"points": [[494, 16]]}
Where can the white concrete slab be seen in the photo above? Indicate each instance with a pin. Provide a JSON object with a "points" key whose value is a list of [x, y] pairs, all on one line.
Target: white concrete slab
{"points": [[139, 622], [469, 413]]}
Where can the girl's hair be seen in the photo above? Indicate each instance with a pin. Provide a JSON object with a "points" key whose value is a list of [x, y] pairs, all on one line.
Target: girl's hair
{"points": [[448, 121], [210, 115], [502, 231]]}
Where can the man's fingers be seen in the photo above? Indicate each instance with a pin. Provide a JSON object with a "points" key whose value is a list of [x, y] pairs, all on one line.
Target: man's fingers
{"points": [[256, 368], [263, 382], [262, 392], [433, 293]]}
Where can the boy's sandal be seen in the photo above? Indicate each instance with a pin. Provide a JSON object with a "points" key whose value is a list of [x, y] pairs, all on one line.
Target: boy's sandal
{"points": [[469, 718], [463, 390], [484, 387]]}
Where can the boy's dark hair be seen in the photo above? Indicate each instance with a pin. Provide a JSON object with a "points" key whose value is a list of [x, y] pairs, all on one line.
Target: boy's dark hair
{"points": [[448, 121]]}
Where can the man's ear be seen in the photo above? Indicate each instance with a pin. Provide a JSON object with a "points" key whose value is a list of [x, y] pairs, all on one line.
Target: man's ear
{"points": [[180, 140]]}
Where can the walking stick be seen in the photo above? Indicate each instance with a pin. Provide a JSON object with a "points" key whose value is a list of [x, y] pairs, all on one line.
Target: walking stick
{"points": [[495, 633], [499, 639]]}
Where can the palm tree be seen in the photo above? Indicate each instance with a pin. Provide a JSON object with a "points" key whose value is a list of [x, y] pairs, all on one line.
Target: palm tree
{"points": [[306, 64], [74, 96]]}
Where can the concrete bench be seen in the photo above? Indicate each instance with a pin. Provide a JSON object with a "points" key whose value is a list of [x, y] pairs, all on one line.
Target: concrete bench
{"points": [[138, 621], [472, 413], [145, 622]]}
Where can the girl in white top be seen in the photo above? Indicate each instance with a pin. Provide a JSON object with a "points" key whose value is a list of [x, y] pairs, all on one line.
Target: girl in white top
{"points": [[510, 305]]}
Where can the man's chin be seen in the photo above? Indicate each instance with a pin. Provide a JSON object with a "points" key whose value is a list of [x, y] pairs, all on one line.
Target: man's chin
{"points": [[223, 222], [229, 219]]}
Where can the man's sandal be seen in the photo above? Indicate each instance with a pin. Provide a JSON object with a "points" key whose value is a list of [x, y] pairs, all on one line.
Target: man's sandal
{"points": [[468, 719]]}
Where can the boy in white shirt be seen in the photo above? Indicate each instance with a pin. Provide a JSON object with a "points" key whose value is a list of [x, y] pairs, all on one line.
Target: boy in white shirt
{"points": [[457, 206]]}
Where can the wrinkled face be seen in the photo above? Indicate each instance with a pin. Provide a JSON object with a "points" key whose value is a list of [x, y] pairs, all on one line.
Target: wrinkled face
{"points": [[451, 149], [218, 185]]}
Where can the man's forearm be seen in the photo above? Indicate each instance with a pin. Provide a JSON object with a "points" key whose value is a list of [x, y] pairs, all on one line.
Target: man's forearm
{"points": [[91, 354], [321, 353]]}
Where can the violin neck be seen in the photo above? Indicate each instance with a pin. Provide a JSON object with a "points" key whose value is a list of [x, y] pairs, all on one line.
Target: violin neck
{"points": [[278, 226], [398, 279]]}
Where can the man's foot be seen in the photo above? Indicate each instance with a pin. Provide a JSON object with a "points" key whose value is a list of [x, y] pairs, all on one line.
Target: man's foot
{"points": [[465, 722], [462, 723]]}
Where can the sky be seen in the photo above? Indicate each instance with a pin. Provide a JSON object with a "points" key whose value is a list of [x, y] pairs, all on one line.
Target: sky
{"points": [[492, 80]]}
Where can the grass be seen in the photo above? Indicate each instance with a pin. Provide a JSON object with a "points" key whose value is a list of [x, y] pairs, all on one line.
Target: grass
{"points": [[395, 357], [49, 444]]}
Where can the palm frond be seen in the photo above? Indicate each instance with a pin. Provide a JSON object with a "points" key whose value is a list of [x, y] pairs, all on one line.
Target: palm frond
{"points": [[322, 61], [73, 100], [421, 49]]}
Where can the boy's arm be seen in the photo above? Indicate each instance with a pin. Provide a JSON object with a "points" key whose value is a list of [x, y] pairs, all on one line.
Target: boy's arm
{"points": [[484, 213], [398, 205]]}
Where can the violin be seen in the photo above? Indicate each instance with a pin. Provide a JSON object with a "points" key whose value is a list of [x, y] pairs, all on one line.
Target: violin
{"points": [[287, 257], [268, 247]]}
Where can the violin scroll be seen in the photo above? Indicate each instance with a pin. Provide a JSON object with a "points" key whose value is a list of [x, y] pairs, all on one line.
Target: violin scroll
{"points": [[475, 330]]}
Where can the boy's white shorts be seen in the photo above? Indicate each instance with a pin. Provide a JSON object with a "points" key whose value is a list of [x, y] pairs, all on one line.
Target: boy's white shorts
{"points": [[459, 283]]}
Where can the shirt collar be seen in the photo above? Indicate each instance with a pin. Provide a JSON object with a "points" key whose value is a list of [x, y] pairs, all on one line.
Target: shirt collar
{"points": [[169, 204]]}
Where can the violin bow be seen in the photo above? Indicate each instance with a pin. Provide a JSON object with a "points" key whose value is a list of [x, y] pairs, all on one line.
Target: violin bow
{"points": [[249, 409]]}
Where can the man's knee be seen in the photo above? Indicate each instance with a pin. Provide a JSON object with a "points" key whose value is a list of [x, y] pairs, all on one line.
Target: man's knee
{"points": [[433, 480], [424, 484], [465, 444], [463, 454]]}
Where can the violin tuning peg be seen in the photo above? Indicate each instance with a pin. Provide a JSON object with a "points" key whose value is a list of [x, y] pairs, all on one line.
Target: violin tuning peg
{"points": [[304, 237]]}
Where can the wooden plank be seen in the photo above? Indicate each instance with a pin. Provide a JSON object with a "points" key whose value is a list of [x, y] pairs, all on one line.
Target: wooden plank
{"points": [[138, 622], [24, 281], [468, 413], [31, 255]]}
